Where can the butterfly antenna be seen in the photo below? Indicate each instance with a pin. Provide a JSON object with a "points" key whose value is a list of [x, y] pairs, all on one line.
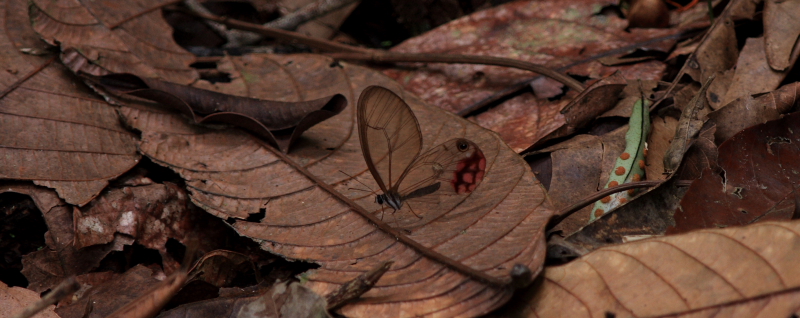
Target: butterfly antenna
{"points": [[362, 183]]}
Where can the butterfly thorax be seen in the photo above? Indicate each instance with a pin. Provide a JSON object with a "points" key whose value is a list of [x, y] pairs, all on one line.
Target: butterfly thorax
{"points": [[392, 199]]}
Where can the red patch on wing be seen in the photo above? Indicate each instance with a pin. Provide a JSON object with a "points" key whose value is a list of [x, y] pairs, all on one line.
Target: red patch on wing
{"points": [[469, 173]]}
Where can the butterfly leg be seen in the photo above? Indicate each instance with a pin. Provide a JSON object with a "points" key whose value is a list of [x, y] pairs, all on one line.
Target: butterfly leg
{"points": [[412, 211]]}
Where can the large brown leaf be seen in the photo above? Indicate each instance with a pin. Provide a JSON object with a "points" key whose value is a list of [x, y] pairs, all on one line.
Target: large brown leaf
{"points": [[52, 131], [736, 272], [129, 38], [456, 265]]}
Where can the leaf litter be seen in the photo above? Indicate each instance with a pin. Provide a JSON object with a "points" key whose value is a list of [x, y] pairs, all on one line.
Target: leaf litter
{"points": [[277, 199]]}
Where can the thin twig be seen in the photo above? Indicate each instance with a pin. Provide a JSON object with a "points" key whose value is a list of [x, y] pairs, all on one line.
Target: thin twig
{"points": [[307, 13], [235, 38], [364, 54], [63, 290], [566, 212]]}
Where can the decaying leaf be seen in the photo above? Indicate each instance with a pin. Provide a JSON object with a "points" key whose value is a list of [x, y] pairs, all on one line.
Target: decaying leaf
{"points": [[279, 123], [459, 262], [283, 300], [736, 272], [47, 267], [52, 131], [757, 165], [105, 298]]}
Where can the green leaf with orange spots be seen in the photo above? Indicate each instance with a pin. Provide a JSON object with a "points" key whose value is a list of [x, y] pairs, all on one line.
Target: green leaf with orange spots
{"points": [[630, 164]]}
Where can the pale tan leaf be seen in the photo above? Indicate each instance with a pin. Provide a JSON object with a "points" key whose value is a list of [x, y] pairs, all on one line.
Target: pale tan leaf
{"points": [[735, 272]]}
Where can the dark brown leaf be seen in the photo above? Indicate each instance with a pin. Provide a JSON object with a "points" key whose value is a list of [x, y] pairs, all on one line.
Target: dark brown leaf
{"points": [[758, 164], [279, 123]]}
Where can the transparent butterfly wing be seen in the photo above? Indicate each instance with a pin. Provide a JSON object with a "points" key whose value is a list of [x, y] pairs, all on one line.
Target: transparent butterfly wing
{"points": [[457, 166], [389, 134]]}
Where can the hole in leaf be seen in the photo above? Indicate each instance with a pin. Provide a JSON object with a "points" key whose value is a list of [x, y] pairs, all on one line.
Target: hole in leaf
{"points": [[257, 217]]}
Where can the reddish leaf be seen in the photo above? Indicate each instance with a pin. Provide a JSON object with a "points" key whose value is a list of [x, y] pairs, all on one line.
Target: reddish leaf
{"points": [[279, 123], [758, 164]]}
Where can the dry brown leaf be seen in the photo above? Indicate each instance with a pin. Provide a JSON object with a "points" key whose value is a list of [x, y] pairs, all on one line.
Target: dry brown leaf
{"points": [[580, 168], [14, 300], [753, 74], [781, 31], [52, 131], [736, 272], [130, 38], [231, 175]]}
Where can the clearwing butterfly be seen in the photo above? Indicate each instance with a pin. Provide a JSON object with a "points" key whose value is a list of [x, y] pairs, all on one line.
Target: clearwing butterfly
{"points": [[427, 184]]}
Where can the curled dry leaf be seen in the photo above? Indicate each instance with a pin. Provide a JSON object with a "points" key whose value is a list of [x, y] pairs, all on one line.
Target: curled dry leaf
{"points": [[51, 131], [279, 123], [593, 101], [737, 272], [129, 38], [305, 197], [749, 111], [760, 183], [752, 73]]}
